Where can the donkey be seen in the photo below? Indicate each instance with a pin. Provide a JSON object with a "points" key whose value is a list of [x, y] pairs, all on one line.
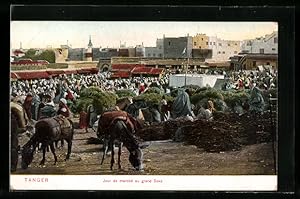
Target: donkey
{"points": [[117, 127], [48, 131]]}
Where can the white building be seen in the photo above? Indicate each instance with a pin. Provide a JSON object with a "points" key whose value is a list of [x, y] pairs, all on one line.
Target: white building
{"points": [[222, 49], [157, 51], [140, 50], [263, 45]]}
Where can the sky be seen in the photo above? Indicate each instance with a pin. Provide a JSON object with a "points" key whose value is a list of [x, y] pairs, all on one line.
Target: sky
{"points": [[40, 34]]}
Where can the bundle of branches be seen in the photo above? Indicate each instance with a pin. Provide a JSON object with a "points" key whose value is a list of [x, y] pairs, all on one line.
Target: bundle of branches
{"points": [[125, 93], [153, 132], [171, 126], [201, 97], [235, 97], [153, 98], [227, 132], [100, 99], [253, 128], [164, 130], [154, 90], [212, 136], [209, 93]]}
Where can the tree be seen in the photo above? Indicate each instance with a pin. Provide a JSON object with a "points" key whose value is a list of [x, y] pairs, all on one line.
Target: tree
{"points": [[48, 55], [30, 54]]}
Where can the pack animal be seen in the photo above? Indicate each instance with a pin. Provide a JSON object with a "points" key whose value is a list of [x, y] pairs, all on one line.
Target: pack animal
{"points": [[47, 132], [119, 126], [19, 124]]}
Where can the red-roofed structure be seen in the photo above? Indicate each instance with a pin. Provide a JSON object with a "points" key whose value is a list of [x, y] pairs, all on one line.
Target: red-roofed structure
{"points": [[87, 70], [94, 70], [141, 70], [18, 53], [121, 74], [54, 73], [124, 67], [14, 76], [32, 75], [138, 69], [50, 73], [68, 72], [156, 71]]}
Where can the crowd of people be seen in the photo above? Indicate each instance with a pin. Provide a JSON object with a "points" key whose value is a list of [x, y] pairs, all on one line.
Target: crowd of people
{"points": [[264, 80], [71, 85], [51, 96]]}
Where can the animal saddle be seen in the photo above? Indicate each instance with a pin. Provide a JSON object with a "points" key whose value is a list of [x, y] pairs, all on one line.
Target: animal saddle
{"points": [[109, 118], [57, 123], [62, 121], [19, 111]]}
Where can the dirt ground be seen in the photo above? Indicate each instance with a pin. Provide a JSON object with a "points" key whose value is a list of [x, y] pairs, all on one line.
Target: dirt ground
{"points": [[163, 157]]}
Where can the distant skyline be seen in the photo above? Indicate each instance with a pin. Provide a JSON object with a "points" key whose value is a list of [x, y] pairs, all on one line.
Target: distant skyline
{"points": [[40, 34]]}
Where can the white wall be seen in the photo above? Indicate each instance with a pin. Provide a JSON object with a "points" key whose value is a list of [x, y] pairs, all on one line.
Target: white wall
{"points": [[267, 43], [201, 80], [222, 52]]}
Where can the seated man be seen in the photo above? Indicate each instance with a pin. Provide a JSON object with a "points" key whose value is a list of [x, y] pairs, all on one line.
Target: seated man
{"points": [[63, 108], [48, 110]]}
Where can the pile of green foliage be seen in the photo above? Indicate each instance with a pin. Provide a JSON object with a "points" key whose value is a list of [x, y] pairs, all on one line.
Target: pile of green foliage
{"points": [[100, 99], [154, 90], [208, 93], [221, 99], [235, 97], [124, 93], [153, 98]]}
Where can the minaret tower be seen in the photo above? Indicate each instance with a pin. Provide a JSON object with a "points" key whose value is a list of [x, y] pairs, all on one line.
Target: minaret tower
{"points": [[89, 52]]}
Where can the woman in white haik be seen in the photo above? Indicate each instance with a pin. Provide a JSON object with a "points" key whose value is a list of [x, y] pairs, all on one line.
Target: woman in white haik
{"points": [[63, 108]]}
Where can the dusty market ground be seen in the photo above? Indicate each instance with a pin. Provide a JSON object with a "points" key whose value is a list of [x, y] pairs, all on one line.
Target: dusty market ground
{"points": [[160, 158]]}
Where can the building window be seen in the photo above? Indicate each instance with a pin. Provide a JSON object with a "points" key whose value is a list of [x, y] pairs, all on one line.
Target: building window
{"points": [[275, 40], [210, 43], [169, 43], [214, 43], [160, 55], [235, 44], [207, 43], [219, 52], [202, 39], [149, 55], [254, 63], [220, 44], [159, 47], [199, 47], [261, 51], [228, 44], [154, 54], [223, 52], [195, 43], [273, 49], [235, 52]]}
